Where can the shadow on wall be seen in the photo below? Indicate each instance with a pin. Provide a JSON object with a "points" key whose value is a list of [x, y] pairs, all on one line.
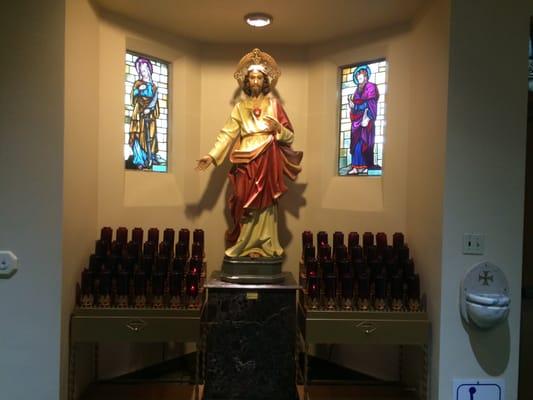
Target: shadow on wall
{"points": [[290, 203], [491, 347]]}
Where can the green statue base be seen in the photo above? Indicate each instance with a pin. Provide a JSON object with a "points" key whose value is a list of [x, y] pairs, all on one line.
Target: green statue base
{"points": [[248, 270]]}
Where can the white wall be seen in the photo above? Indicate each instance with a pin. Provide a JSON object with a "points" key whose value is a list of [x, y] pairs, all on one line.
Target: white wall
{"points": [[31, 176], [484, 180]]}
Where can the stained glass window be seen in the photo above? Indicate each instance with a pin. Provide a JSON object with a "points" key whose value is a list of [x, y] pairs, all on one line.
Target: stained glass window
{"points": [[146, 113], [363, 88]]}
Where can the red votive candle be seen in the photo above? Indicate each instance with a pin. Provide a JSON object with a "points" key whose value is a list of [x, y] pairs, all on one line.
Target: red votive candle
{"points": [[179, 265], [371, 253], [162, 264], [356, 253], [311, 267], [397, 240], [106, 234], [198, 237], [397, 287], [101, 248], [168, 237], [347, 286], [413, 287], [122, 283], [197, 250], [153, 236], [86, 282], [149, 248], [338, 239], [313, 287], [139, 283], [353, 239], [368, 239], [327, 267], [192, 285], [184, 236], [344, 266], [307, 239], [380, 286], [403, 254], [95, 263], [175, 283], [182, 250], [330, 283], [309, 252], [381, 240], [321, 238], [363, 288], [164, 249], [195, 266], [157, 284], [104, 287], [341, 253], [122, 235], [358, 266], [137, 236], [325, 252]]}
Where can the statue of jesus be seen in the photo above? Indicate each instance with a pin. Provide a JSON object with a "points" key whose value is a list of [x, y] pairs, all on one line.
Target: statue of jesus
{"points": [[259, 134]]}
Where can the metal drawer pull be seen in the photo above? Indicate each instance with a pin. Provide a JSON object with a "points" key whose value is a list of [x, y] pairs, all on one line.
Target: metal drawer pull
{"points": [[136, 325], [367, 327]]}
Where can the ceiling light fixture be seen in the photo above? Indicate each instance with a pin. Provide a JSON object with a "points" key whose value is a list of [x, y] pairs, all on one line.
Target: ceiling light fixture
{"points": [[258, 19]]}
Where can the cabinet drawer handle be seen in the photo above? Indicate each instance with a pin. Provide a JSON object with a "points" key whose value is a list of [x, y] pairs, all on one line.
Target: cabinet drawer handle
{"points": [[136, 325], [366, 327]]}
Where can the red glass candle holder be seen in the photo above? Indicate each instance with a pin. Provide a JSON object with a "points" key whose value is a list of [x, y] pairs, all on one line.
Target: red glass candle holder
{"points": [[368, 239], [184, 236], [198, 237], [153, 236], [122, 235], [381, 240], [307, 239], [137, 236], [106, 234], [353, 239], [168, 237], [321, 238], [338, 239], [397, 240]]}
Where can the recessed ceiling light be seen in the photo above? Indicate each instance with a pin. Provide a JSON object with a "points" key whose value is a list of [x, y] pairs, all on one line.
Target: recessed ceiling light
{"points": [[258, 19]]}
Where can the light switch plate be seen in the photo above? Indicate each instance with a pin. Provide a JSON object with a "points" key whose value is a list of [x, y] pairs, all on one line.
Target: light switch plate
{"points": [[473, 243]]}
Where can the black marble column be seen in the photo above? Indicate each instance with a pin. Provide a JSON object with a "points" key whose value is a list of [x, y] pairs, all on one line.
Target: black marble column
{"points": [[250, 342]]}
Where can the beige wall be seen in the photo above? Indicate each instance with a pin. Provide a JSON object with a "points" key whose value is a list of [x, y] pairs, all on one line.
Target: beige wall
{"points": [[80, 214], [426, 152], [31, 177]]}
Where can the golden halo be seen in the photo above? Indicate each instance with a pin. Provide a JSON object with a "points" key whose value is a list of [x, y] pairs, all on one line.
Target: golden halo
{"points": [[258, 59]]}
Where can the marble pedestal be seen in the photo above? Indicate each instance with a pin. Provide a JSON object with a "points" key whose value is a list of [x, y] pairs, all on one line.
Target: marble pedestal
{"points": [[250, 340]]}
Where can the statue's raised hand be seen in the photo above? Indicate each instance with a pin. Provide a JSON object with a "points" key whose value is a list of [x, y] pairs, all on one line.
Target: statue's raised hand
{"points": [[203, 163]]}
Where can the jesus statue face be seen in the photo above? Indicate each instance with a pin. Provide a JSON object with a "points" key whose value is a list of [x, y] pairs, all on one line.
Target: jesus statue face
{"points": [[256, 79]]}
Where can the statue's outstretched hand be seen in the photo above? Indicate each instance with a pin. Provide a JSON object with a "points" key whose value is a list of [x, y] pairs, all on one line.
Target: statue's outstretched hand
{"points": [[203, 163]]}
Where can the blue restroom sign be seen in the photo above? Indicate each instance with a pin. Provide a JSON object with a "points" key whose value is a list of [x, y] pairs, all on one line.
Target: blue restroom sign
{"points": [[478, 389]]}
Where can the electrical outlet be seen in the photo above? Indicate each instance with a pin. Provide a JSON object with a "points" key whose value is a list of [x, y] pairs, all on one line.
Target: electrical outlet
{"points": [[8, 264], [473, 243]]}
